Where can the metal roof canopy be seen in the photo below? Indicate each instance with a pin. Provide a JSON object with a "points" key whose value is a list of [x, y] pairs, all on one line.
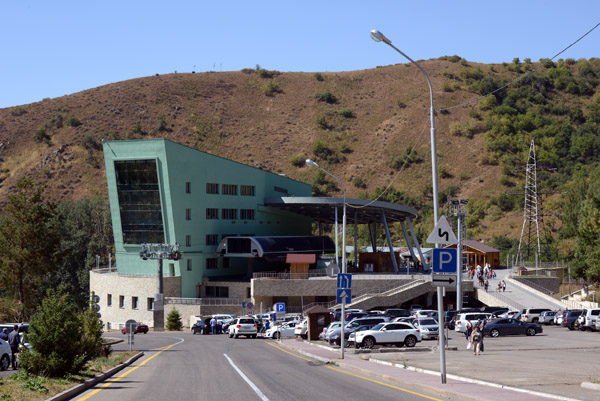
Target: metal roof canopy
{"points": [[322, 209]]}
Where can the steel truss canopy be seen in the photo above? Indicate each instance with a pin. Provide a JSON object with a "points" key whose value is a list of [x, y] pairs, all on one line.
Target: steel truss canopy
{"points": [[363, 211]]}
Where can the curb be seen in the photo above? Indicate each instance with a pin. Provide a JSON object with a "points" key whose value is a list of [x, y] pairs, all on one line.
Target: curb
{"points": [[591, 386], [432, 372], [80, 388]]}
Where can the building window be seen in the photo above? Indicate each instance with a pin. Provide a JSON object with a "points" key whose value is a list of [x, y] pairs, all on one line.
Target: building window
{"points": [[139, 201], [248, 293], [212, 239], [247, 214], [188, 187], [188, 240], [172, 269], [279, 189], [212, 188], [212, 263], [134, 302], [150, 303], [229, 214], [217, 292], [247, 190], [109, 300], [121, 301], [229, 189], [212, 213], [188, 214], [225, 263], [189, 264]]}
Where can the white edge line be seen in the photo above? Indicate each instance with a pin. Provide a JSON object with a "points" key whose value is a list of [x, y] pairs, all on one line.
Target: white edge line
{"points": [[252, 385]]}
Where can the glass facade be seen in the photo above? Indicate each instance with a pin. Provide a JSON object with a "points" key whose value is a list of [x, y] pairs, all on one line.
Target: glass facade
{"points": [[139, 201]]}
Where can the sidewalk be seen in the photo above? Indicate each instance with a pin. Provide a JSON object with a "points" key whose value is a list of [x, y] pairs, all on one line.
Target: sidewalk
{"points": [[375, 365]]}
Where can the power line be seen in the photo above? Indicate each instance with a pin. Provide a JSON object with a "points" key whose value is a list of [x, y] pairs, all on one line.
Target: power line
{"points": [[520, 77]]}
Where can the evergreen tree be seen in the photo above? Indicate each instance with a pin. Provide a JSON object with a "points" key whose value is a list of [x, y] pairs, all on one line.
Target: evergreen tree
{"points": [[174, 322], [29, 244]]}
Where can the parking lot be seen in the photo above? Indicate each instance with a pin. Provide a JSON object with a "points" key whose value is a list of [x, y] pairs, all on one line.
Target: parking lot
{"points": [[556, 361]]}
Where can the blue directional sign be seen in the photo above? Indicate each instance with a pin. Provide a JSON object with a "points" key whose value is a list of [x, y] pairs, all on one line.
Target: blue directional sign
{"points": [[344, 281], [444, 260], [344, 295], [279, 307]]}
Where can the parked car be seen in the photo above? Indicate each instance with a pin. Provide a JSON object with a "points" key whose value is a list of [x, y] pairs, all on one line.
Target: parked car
{"points": [[532, 315], [281, 329], [4, 355], [547, 317], [392, 313], [515, 314], [496, 310], [391, 333], [243, 326], [226, 323], [201, 326], [569, 318], [334, 336], [140, 328], [510, 326], [429, 328], [558, 319], [462, 319], [424, 313], [301, 329], [332, 325], [588, 319], [353, 315]]}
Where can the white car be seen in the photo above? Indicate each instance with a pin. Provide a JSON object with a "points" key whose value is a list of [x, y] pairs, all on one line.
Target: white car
{"points": [[328, 329], [301, 329], [281, 329], [429, 328], [462, 319], [424, 313], [4, 355], [396, 333], [243, 326]]}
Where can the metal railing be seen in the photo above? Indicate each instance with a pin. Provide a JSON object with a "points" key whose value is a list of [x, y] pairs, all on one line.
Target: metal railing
{"points": [[204, 301], [533, 285], [289, 276], [503, 298]]}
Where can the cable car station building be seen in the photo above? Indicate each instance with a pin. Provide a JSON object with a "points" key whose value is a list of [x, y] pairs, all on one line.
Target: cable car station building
{"points": [[245, 234]]}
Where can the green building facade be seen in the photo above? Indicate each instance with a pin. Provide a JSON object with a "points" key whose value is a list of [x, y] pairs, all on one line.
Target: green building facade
{"points": [[164, 192]]}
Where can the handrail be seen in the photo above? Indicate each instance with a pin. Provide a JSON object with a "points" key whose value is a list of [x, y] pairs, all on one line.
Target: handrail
{"points": [[505, 299], [533, 285], [203, 301], [289, 276]]}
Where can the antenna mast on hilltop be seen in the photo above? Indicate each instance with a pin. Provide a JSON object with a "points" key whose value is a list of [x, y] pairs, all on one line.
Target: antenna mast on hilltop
{"points": [[531, 212]]}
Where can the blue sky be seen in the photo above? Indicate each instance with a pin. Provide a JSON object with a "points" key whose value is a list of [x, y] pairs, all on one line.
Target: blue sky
{"points": [[55, 48]]}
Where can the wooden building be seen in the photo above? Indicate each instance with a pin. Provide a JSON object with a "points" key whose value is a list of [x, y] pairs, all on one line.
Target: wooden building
{"points": [[477, 253]]}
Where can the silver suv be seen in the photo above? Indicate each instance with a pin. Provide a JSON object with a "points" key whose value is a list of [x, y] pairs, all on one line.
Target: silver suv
{"points": [[243, 326], [532, 315]]}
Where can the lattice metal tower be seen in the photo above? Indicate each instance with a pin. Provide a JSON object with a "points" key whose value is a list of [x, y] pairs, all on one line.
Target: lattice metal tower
{"points": [[532, 209]]}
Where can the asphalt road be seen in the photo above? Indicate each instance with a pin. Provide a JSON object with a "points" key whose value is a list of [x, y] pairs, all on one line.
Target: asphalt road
{"points": [[181, 366]]}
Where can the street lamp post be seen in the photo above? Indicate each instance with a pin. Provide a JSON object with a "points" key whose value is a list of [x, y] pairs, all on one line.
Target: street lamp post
{"points": [[343, 317], [380, 37], [160, 252]]}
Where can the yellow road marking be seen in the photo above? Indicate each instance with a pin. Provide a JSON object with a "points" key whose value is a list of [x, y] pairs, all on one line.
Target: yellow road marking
{"points": [[358, 376], [105, 385]]}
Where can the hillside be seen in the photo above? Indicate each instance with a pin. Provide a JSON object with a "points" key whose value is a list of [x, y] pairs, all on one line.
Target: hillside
{"points": [[353, 123]]}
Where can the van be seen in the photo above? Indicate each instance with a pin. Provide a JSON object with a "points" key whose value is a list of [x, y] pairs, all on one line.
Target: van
{"points": [[589, 318], [532, 315], [461, 319]]}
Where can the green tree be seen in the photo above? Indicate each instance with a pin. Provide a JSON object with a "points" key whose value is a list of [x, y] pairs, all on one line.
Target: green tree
{"points": [[29, 243], [85, 230], [174, 321], [55, 337]]}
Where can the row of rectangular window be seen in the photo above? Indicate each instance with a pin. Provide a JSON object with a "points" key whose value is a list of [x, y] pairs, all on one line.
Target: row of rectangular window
{"points": [[229, 189], [213, 239], [229, 214], [134, 302], [211, 263]]}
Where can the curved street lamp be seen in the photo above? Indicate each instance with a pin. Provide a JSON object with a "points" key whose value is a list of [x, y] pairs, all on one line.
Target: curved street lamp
{"points": [[380, 37], [313, 164]]}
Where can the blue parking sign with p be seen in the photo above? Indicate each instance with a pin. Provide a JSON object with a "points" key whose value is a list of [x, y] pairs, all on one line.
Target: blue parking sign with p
{"points": [[444, 260], [280, 307]]}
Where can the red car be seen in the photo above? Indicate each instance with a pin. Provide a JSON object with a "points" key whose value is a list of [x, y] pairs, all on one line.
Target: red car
{"points": [[140, 328]]}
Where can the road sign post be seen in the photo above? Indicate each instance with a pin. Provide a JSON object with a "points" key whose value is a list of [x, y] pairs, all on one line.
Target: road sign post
{"points": [[443, 280], [444, 260], [344, 286]]}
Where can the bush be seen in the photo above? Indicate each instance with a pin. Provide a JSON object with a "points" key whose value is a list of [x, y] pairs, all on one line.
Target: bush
{"points": [[42, 136], [443, 172], [266, 73], [358, 182], [270, 88], [73, 122], [346, 113], [454, 59], [174, 322], [400, 103], [17, 111], [447, 87], [62, 341], [298, 160], [322, 123], [321, 150], [318, 77], [90, 143], [162, 125], [326, 97], [471, 74]]}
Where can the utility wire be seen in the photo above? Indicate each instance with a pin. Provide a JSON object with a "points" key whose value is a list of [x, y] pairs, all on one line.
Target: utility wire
{"points": [[520, 77]]}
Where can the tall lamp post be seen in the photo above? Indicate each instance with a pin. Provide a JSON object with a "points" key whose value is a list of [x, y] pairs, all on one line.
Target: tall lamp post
{"points": [[380, 37], [342, 336], [160, 252]]}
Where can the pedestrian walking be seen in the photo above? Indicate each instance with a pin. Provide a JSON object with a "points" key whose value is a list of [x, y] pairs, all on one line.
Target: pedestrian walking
{"points": [[213, 325], [503, 286], [13, 340], [4, 334], [468, 328], [476, 338], [486, 284]]}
